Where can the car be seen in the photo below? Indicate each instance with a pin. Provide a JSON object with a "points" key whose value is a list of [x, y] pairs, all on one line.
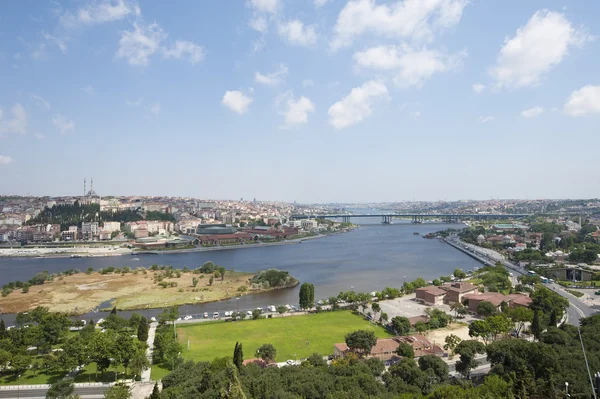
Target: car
{"points": [[178, 319], [597, 292], [216, 315], [188, 317], [206, 315], [290, 362], [153, 319], [249, 313]]}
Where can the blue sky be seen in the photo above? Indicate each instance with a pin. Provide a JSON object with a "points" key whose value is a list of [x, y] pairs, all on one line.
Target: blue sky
{"points": [[314, 101]]}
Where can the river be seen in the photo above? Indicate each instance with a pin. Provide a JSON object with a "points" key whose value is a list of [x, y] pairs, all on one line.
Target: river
{"points": [[369, 258]]}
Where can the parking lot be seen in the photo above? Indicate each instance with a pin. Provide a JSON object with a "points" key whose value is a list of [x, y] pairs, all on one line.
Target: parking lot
{"points": [[407, 306]]}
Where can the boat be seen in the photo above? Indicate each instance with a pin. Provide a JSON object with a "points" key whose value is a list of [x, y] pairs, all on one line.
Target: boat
{"points": [[75, 256], [416, 233], [135, 259]]}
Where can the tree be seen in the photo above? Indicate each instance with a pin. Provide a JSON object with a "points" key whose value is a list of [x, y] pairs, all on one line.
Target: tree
{"points": [[421, 327], [405, 350], [436, 282], [2, 329], [376, 308], [520, 315], [142, 330], [383, 317], [238, 356], [256, 314], [195, 281], [467, 350], [281, 309], [211, 280], [333, 302], [480, 329], [486, 308], [499, 324], [536, 324], [459, 274], [361, 341], [307, 296], [267, 352], [216, 274], [155, 392], [61, 389], [436, 365], [118, 391], [314, 360], [451, 342], [20, 363], [401, 325], [222, 271]]}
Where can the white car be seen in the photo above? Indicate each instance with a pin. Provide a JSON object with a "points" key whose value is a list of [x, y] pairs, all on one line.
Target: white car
{"points": [[179, 319], [188, 317], [290, 362], [153, 319], [227, 314], [216, 315], [249, 313], [206, 315]]}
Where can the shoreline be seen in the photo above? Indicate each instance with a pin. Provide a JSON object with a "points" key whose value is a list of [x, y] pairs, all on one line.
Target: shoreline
{"points": [[85, 254]]}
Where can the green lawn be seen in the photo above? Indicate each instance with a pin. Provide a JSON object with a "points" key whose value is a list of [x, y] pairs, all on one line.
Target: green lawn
{"points": [[289, 335], [158, 372], [29, 378], [88, 374]]}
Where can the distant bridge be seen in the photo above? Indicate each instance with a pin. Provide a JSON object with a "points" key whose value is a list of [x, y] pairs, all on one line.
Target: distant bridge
{"points": [[386, 218]]}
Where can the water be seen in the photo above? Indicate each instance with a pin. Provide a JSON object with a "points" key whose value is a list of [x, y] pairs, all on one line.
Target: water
{"points": [[369, 258]]}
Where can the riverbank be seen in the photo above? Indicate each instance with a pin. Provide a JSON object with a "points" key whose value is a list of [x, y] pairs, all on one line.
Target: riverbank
{"points": [[139, 289], [88, 252]]}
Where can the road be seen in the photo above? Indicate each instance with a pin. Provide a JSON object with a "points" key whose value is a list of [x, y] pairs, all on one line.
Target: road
{"points": [[96, 392], [575, 311]]}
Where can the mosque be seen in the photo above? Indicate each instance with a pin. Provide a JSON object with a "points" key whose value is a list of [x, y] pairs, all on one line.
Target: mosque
{"points": [[89, 197]]}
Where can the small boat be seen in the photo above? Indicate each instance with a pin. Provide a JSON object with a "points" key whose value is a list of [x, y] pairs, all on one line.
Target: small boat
{"points": [[135, 259], [75, 256], [416, 233]]}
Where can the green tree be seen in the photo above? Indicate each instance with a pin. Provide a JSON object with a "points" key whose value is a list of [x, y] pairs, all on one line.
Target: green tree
{"points": [[155, 392], [61, 389], [519, 316], [383, 317], [459, 274], [195, 281], [211, 280], [307, 296], [498, 324], [238, 355], [142, 330], [376, 308], [401, 325], [436, 365], [2, 329], [361, 341], [480, 329], [256, 314], [405, 350], [486, 308], [421, 327], [118, 391], [222, 271], [536, 324], [451, 342], [267, 352], [467, 350], [281, 309]]}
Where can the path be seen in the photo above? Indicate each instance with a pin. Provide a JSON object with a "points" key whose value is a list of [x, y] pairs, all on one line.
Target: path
{"points": [[151, 333]]}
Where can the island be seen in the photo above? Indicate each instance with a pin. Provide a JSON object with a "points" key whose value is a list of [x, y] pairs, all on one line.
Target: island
{"points": [[76, 293]]}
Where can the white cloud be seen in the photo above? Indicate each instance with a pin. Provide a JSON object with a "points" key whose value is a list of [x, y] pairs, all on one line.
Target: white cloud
{"points": [[237, 101], [478, 88], [40, 101], [412, 67], [357, 105], [17, 124], [98, 12], [415, 114], [273, 78], [39, 136], [60, 43], [182, 49], [89, 89], [155, 108], [295, 112], [532, 112], [139, 45], [5, 160], [135, 103], [486, 119], [268, 6], [584, 101], [411, 19], [65, 126], [320, 3], [537, 47], [297, 34], [308, 83], [259, 24]]}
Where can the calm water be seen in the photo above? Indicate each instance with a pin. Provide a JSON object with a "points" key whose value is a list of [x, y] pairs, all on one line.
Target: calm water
{"points": [[369, 258]]}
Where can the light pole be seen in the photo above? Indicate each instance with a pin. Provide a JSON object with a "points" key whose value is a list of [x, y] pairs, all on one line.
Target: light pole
{"points": [[567, 390], [19, 386]]}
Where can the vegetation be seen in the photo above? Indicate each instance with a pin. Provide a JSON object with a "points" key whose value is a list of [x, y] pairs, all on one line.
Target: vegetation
{"points": [[272, 278], [307, 296]]}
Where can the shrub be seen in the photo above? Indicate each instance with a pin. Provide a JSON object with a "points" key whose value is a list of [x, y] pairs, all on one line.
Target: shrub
{"points": [[242, 288]]}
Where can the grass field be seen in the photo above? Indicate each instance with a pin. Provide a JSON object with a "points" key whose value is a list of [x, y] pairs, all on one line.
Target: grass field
{"points": [[297, 336]]}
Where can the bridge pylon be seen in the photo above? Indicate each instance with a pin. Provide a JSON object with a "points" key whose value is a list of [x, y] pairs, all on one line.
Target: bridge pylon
{"points": [[386, 219]]}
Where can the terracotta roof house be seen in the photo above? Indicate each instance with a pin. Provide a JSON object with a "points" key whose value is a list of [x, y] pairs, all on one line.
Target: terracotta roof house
{"points": [[385, 347], [496, 299], [456, 291], [259, 362], [430, 295], [520, 300], [414, 320]]}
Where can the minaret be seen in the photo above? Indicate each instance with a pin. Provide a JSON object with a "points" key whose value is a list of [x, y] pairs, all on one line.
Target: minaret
{"points": [[92, 185], [84, 186]]}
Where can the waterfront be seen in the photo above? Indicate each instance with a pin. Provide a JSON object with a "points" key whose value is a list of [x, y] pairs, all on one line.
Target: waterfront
{"points": [[369, 258]]}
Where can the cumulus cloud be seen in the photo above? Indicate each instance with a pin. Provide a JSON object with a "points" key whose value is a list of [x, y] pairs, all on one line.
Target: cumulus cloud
{"points": [[542, 43], [320, 3], [266, 6], [294, 111], [532, 112], [583, 101], [273, 78], [183, 49], [99, 12], [478, 88], [137, 46], [5, 160], [357, 105], [296, 33], [259, 24], [16, 124], [237, 101], [412, 67], [409, 19], [64, 125], [485, 119]]}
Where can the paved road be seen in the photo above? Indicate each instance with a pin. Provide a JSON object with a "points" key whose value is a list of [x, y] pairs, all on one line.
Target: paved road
{"points": [[149, 351], [84, 392]]}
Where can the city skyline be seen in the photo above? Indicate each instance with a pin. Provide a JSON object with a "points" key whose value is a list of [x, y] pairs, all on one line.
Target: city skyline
{"points": [[301, 101]]}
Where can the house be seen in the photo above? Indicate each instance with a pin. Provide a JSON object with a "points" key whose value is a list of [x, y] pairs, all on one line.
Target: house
{"points": [[386, 347], [259, 362], [430, 295], [415, 319], [456, 291], [496, 299]]}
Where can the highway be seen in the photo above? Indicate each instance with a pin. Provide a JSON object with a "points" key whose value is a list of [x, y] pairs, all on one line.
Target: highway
{"points": [[575, 311], [94, 392]]}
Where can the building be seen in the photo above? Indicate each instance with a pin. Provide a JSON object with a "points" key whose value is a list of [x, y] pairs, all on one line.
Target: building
{"points": [[456, 291], [308, 224], [571, 273], [496, 299], [294, 223], [111, 226], [386, 347], [89, 230], [153, 207], [140, 233], [430, 295]]}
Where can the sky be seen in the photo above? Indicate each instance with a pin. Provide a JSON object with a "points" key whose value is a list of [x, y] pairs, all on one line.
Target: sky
{"points": [[303, 100]]}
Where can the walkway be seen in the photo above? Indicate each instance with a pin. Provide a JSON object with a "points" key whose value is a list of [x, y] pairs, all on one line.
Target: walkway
{"points": [[151, 333]]}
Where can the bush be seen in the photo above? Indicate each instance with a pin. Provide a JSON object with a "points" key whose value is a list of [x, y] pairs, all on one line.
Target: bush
{"points": [[243, 288]]}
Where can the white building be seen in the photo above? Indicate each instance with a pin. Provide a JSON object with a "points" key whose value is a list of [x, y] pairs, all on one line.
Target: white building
{"points": [[294, 223], [309, 224], [111, 226], [89, 229]]}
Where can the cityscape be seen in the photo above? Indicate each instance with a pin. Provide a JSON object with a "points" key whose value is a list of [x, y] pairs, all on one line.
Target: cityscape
{"points": [[268, 199]]}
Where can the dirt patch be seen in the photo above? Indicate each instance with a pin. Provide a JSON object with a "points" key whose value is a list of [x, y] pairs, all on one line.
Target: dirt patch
{"points": [[81, 293]]}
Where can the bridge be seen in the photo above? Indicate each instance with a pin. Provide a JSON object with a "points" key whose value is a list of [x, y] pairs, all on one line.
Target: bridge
{"points": [[386, 218]]}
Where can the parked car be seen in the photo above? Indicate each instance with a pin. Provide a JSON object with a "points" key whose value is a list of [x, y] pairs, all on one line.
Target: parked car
{"points": [[216, 315], [206, 315], [290, 362], [597, 292], [188, 317]]}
